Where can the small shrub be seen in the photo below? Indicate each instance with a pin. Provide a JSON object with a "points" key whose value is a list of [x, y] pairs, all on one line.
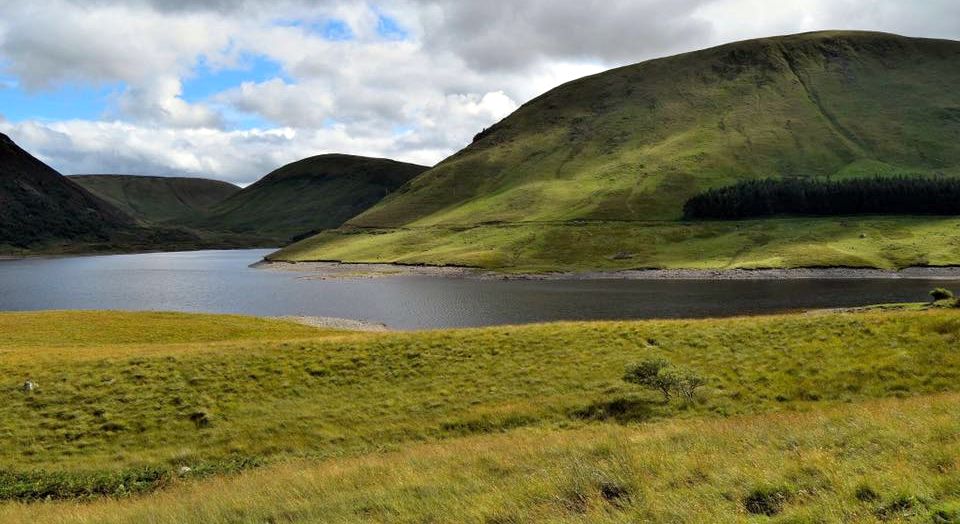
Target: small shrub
{"points": [[687, 384], [652, 374], [941, 294], [660, 375]]}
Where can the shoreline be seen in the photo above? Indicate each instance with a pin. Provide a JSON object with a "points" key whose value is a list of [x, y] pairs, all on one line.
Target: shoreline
{"points": [[338, 270], [344, 324]]}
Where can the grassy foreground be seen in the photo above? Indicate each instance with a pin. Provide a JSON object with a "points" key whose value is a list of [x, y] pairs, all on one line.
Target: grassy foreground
{"points": [[876, 242], [221, 419], [880, 461]]}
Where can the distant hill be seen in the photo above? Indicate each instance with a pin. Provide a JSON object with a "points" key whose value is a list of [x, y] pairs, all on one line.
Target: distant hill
{"points": [[595, 173], [315, 193], [158, 199], [40, 206]]}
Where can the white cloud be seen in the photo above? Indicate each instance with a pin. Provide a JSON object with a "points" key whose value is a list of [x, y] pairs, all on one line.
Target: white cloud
{"points": [[463, 66], [160, 102]]}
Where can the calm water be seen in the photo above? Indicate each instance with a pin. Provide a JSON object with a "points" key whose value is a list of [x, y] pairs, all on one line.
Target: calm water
{"points": [[220, 281]]}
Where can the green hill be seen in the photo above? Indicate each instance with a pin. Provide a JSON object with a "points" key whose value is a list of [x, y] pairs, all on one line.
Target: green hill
{"points": [[39, 206], [315, 193], [157, 199], [594, 173]]}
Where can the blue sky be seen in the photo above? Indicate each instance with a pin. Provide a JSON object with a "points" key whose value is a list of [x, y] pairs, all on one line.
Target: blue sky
{"points": [[85, 100], [89, 101]]}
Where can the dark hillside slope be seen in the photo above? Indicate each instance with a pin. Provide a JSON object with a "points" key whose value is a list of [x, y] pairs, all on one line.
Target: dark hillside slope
{"points": [[155, 198], [38, 205], [602, 166], [315, 193]]}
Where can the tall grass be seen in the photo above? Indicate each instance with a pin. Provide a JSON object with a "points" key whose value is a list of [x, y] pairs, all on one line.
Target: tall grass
{"points": [[106, 416], [878, 461]]}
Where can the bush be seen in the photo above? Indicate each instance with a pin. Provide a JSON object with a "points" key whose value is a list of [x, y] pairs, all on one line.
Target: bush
{"points": [[660, 375], [687, 383], [653, 374], [941, 294]]}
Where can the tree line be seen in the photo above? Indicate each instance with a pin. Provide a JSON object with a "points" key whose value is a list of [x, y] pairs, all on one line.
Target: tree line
{"points": [[819, 197]]}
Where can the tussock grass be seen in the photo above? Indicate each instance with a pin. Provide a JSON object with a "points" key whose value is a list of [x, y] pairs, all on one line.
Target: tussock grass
{"points": [[120, 419], [878, 461]]}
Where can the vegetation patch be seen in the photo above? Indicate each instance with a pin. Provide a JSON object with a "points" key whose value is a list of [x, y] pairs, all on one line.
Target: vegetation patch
{"points": [[220, 393], [812, 197]]}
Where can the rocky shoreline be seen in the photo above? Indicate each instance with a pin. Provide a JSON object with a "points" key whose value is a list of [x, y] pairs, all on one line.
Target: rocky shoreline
{"points": [[336, 270]]}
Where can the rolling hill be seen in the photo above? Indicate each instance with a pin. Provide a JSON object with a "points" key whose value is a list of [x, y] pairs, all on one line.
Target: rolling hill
{"points": [[315, 193], [157, 199], [39, 206], [595, 173]]}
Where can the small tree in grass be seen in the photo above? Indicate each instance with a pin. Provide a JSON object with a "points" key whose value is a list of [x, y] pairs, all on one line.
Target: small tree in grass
{"points": [[660, 375], [687, 384], [653, 374]]}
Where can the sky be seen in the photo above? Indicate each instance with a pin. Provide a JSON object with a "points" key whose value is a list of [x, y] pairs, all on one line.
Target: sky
{"points": [[232, 89]]}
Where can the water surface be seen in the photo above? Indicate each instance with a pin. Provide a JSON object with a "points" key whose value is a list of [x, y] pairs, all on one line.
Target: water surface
{"points": [[222, 282]]}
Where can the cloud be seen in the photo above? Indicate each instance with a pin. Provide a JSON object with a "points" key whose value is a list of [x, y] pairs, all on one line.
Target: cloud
{"points": [[76, 147], [410, 79], [160, 102]]}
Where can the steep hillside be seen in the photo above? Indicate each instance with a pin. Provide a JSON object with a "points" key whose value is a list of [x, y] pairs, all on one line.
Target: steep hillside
{"points": [[315, 193], [157, 199], [40, 206], [629, 146]]}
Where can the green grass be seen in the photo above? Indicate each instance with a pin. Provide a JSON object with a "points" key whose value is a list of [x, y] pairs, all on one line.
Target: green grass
{"points": [[879, 242], [157, 199], [48, 330], [872, 462], [633, 144], [125, 400]]}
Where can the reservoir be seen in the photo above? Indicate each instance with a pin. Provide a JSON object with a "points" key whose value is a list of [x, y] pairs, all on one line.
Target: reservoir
{"points": [[223, 282]]}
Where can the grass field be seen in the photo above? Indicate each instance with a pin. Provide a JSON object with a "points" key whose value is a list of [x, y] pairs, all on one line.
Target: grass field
{"points": [[877, 461], [280, 423], [878, 242]]}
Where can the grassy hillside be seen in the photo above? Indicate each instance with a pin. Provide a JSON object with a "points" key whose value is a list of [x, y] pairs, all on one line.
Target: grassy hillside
{"points": [[631, 145], [124, 401], [878, 242], [315, 193], [40, 206], [157, 199]]}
